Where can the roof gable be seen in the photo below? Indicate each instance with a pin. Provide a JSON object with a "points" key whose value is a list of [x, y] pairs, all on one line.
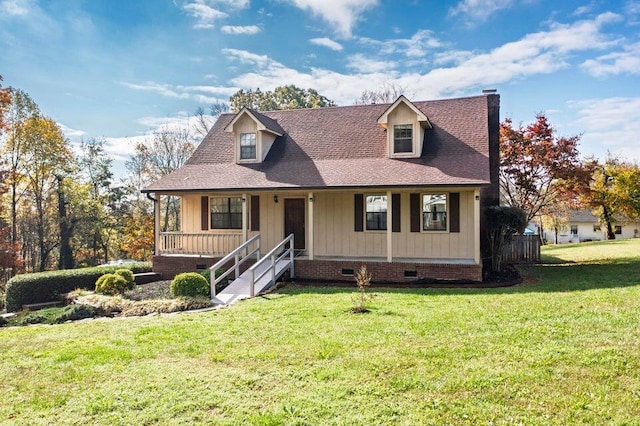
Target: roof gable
{"points": [[263, 122], [383, 119]]}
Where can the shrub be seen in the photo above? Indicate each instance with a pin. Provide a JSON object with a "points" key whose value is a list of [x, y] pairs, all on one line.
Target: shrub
{"points": [[221, 285], [189, 284], [75, 312], [3, 321], [502, 223], [128, 277], [111, 284], [45, 286], [363, 280]]}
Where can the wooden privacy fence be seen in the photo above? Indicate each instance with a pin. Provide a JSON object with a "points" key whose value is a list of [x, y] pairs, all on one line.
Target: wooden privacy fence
{"points": [[522, 249]]}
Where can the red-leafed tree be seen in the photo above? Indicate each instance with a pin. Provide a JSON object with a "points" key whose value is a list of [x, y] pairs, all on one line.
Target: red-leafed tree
{"points": [[538, 169]]}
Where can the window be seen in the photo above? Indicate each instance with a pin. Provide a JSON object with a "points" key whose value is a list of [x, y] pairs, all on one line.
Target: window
{"points": [[376, 207], [596, 228], [226, 212], [618, 230], [247, 146], [434, 212], [574, 229], [402, 138]]}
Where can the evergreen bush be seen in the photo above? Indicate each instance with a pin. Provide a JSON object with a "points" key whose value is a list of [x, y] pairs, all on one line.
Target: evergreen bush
{"points": [[190, 284], [47, 286]]}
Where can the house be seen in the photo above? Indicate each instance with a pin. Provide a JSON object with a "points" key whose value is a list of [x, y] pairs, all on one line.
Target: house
{"points": [[583, 225], [398, 187]]}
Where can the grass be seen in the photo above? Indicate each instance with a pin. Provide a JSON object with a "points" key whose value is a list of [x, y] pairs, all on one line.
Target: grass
{"points": [[563, 348]]}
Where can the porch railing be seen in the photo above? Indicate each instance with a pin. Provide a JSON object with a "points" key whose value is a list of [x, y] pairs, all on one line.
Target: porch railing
{"points": [[238, 258], [198, 242], [277, 254]]}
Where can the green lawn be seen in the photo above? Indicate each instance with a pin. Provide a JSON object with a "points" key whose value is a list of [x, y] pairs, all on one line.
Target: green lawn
{"points": [[562, 348]]}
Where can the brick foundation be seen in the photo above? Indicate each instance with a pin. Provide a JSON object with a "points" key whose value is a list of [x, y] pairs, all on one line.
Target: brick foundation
{"points": [[170, 266], [332, 270]]}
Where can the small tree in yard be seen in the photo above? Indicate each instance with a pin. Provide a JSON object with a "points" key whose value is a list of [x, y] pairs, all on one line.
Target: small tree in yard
{"points": [[503, 223], [363, 280]]}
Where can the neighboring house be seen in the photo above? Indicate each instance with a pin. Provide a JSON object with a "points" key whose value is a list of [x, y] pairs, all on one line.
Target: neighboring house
{"points": [[398, 187], [582, 225]]}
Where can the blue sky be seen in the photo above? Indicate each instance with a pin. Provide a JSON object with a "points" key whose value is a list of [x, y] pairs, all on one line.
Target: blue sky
{"points": [[120, 69]]}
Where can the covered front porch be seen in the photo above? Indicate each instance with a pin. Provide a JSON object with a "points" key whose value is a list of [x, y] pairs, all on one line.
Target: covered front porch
{"points": [[328, 245]]}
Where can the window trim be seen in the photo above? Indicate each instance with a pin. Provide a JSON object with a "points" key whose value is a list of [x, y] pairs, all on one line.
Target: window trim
{"points": [[228, 198], [447, 213], [393, 140], [364, 216], [617, 230], [255, 146], [571, 229]]}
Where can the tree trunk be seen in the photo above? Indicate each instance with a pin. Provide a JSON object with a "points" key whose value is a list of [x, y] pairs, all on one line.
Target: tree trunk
{"points": [[608, 220], [65, 260]]}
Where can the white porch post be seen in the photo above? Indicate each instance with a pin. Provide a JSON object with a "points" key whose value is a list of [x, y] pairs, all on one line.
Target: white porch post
{"points": [[389, 228], [476, 226], [245, 218], [156, 223], [311, 203]]}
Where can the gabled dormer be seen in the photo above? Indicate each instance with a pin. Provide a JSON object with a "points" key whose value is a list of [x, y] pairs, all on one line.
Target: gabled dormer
{"points": [[405, 125], [253, 135]]}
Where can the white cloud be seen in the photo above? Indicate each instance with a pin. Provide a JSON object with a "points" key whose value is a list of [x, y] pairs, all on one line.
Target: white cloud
{"points": [[237, 29], [159, 88], [610, 124], [479, 10], [247, 57], [538, 53], [415, 47], [614, 63], [327, 42], [204, 14], [17, 7], [71, 133], [342, 15], [200, 94], [365, 65]]}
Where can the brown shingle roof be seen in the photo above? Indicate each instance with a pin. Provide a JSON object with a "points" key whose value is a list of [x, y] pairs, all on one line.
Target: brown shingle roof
{"points": [[344, 147]]}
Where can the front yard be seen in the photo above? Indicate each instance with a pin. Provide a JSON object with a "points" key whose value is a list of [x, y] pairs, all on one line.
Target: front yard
{"points": [[562, 348]]}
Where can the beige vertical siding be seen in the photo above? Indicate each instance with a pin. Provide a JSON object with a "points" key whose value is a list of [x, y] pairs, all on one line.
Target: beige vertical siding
{"points": [[334, 233]]}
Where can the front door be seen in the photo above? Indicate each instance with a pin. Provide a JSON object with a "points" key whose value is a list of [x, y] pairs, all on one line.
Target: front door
{"points": [[294, 221]]}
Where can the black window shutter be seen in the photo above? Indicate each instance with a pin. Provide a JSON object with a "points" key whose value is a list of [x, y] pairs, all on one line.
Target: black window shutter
{"points": [[255, 212], [204, 211], [454, 213], [358, 204], [416, 212], [395, 212]]}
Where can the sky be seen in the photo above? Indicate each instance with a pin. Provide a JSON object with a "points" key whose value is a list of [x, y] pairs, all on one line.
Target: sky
{"points": [[120, 69]]}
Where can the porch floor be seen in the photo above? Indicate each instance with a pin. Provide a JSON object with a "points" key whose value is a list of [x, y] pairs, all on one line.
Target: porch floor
{"points": [[240, 288]]}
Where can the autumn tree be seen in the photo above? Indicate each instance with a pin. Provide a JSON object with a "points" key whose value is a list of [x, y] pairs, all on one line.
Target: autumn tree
{"points": [[46, 157], [20, 111], [283, 97], [537, 167], [5, 103], [614, 191]]}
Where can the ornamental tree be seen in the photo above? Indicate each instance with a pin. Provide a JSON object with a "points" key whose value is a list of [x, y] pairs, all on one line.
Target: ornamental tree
{"points": [[538, 168]]}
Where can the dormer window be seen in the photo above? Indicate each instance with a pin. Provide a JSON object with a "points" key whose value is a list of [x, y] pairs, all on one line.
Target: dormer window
{"points": [[253, 135], [402, 138], [247, 146], [405, 125]]}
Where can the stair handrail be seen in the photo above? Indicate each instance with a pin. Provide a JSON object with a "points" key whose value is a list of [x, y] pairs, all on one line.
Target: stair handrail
{"points": [[272, 255], [235, 254]]}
